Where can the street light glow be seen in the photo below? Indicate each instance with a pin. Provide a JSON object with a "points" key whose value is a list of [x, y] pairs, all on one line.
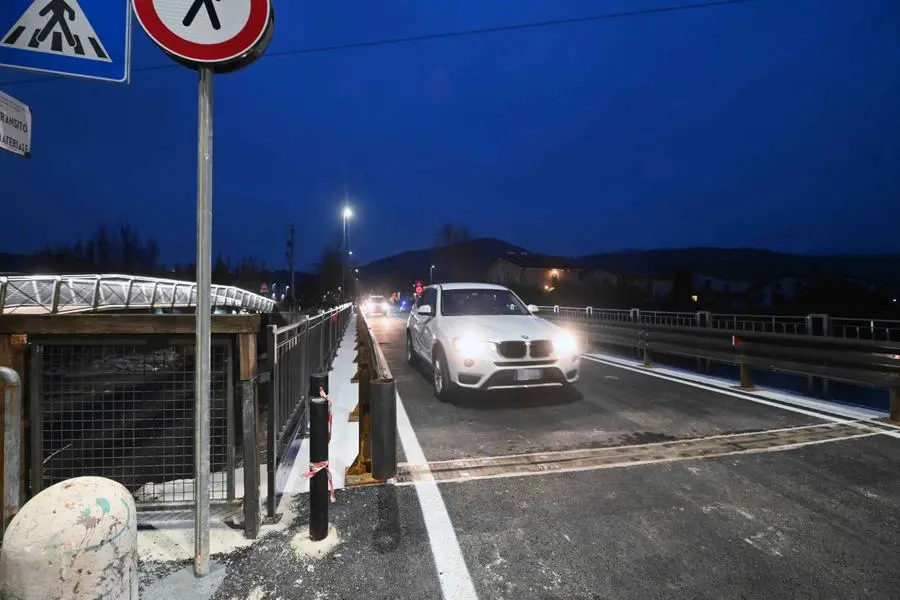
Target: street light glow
{"points": [[347, 212]]}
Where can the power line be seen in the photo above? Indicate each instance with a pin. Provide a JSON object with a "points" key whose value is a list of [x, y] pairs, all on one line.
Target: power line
{"points": [[446, 35]]}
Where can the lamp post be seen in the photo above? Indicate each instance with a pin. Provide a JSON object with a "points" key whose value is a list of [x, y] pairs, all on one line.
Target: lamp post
{"points": [[431, 275], [345, 252]]}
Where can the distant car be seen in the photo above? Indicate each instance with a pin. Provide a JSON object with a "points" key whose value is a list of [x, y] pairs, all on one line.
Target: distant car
{"points": [[483, 337], [376, 305]]}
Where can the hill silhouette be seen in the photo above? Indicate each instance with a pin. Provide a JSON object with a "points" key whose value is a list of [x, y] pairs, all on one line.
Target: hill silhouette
{"points": [[467, 260], [737, 264]]}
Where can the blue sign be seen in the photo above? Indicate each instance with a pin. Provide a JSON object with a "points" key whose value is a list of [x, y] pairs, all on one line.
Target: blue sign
{"points": [[88, 39]]}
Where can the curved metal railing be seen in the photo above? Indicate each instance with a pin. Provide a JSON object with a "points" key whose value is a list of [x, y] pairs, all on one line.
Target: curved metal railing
{"points": [[62, 294]]}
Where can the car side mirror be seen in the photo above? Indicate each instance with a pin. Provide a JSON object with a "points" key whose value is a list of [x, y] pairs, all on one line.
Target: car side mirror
{"points": [[424, 310], [532, 308]]}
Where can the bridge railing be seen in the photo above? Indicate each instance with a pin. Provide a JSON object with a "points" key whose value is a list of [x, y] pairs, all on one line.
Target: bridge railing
{"points": [[886, 330], [769, 343], [291, 355], [59, 294]]}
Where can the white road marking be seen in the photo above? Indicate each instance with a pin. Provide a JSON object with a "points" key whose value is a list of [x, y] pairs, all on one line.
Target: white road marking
{"points": [[748, 397], [453, 574]]}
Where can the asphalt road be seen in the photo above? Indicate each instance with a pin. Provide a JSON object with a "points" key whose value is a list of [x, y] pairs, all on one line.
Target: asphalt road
{"points": [[665, 491]]}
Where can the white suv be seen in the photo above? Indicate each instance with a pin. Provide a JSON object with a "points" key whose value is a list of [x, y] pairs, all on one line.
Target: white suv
{"points": [[482, 336]]}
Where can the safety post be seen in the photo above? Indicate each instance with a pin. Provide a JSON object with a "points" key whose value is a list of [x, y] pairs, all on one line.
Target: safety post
{"points": [[746, 383], [251, 461], [644, 346], [319, 438], [384, 429], [12, 444]]}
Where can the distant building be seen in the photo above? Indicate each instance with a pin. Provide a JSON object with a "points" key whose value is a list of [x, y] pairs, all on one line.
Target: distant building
{"points": [[533, 270], [779, 292], [600, 277], [655, 287], [719, 286]]}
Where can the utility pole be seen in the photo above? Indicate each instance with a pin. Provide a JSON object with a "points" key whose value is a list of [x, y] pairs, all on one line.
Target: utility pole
{"points": [[290, 257]]}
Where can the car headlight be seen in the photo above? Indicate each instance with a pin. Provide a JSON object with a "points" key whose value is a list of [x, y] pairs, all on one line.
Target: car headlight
{"points": [[566, 343], [470, 347]]}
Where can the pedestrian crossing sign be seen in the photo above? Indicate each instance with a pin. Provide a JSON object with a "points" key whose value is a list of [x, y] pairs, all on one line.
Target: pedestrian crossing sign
{"points": [[89, 39]]}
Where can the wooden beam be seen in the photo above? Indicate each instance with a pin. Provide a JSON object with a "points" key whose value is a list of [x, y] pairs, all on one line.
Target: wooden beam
{"points": [[247, 355], [100, 324]]}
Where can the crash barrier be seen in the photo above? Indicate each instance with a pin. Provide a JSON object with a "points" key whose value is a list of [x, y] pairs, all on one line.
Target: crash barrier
{"points": [[859, 362], [376, 412], [289, 356], [77, 538], [883, 330], [11, 486]]}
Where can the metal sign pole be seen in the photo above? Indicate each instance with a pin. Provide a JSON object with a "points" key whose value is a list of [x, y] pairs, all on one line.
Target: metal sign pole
{"points": [[203, 327]]}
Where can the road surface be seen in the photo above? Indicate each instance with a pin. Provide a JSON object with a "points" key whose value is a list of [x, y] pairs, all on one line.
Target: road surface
{"points": [[637, 488]]}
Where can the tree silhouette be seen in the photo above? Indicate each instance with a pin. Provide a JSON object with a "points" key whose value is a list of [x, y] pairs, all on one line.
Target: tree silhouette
{"points": [[329, 268], [451, 254], [106, 252], [451, 234]]}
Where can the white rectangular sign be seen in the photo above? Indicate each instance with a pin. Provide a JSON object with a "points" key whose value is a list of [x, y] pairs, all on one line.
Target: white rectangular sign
{"points": [[15, 126]]}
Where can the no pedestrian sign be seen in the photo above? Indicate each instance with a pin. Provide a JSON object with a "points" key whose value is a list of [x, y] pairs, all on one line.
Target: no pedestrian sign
{"points": [[205, 32], [15, 126]]}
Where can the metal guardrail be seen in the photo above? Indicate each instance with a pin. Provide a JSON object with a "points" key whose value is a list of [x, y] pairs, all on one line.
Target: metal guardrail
{"points": [[376, 411], [61, 294], [886, 330], [860, 362], [293, 353]]}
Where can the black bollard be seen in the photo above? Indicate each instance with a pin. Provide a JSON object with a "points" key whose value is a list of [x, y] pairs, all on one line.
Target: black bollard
{"points": [[318, 452], [383, 396]]}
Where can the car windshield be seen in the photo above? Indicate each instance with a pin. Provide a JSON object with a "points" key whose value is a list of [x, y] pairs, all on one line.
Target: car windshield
{"points": [[481, 302]]}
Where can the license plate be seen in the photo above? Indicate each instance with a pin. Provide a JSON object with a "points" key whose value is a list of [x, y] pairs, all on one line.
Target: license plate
{"points": [[528, 374]]}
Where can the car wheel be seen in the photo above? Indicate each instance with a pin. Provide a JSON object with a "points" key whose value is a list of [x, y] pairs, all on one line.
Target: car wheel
{"points": [[444, 388], [411, 357]]}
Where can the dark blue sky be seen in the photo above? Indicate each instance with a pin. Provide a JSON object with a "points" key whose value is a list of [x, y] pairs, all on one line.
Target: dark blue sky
{"points": [[772, 124]]}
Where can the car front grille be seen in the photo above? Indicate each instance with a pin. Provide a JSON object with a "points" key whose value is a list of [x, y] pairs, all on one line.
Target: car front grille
{"points": [[511, 349], [541, 348]]}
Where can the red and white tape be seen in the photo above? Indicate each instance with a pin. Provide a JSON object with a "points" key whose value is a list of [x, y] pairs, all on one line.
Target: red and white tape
{"points": [[315, 468], [322, 394]]}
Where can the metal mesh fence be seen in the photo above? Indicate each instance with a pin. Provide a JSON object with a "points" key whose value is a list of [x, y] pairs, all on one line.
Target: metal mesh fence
{"points": [[125, 410]]}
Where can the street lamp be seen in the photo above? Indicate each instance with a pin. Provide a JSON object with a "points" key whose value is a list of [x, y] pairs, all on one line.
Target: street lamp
{"points": [[431, 275], [345, 252]]}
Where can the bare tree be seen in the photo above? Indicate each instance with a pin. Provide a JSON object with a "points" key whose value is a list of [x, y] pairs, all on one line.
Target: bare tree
{"points": [[451, 234]]}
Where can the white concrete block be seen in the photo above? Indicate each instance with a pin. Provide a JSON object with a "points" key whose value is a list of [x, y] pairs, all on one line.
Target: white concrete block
{"points": [[75, 540]]}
